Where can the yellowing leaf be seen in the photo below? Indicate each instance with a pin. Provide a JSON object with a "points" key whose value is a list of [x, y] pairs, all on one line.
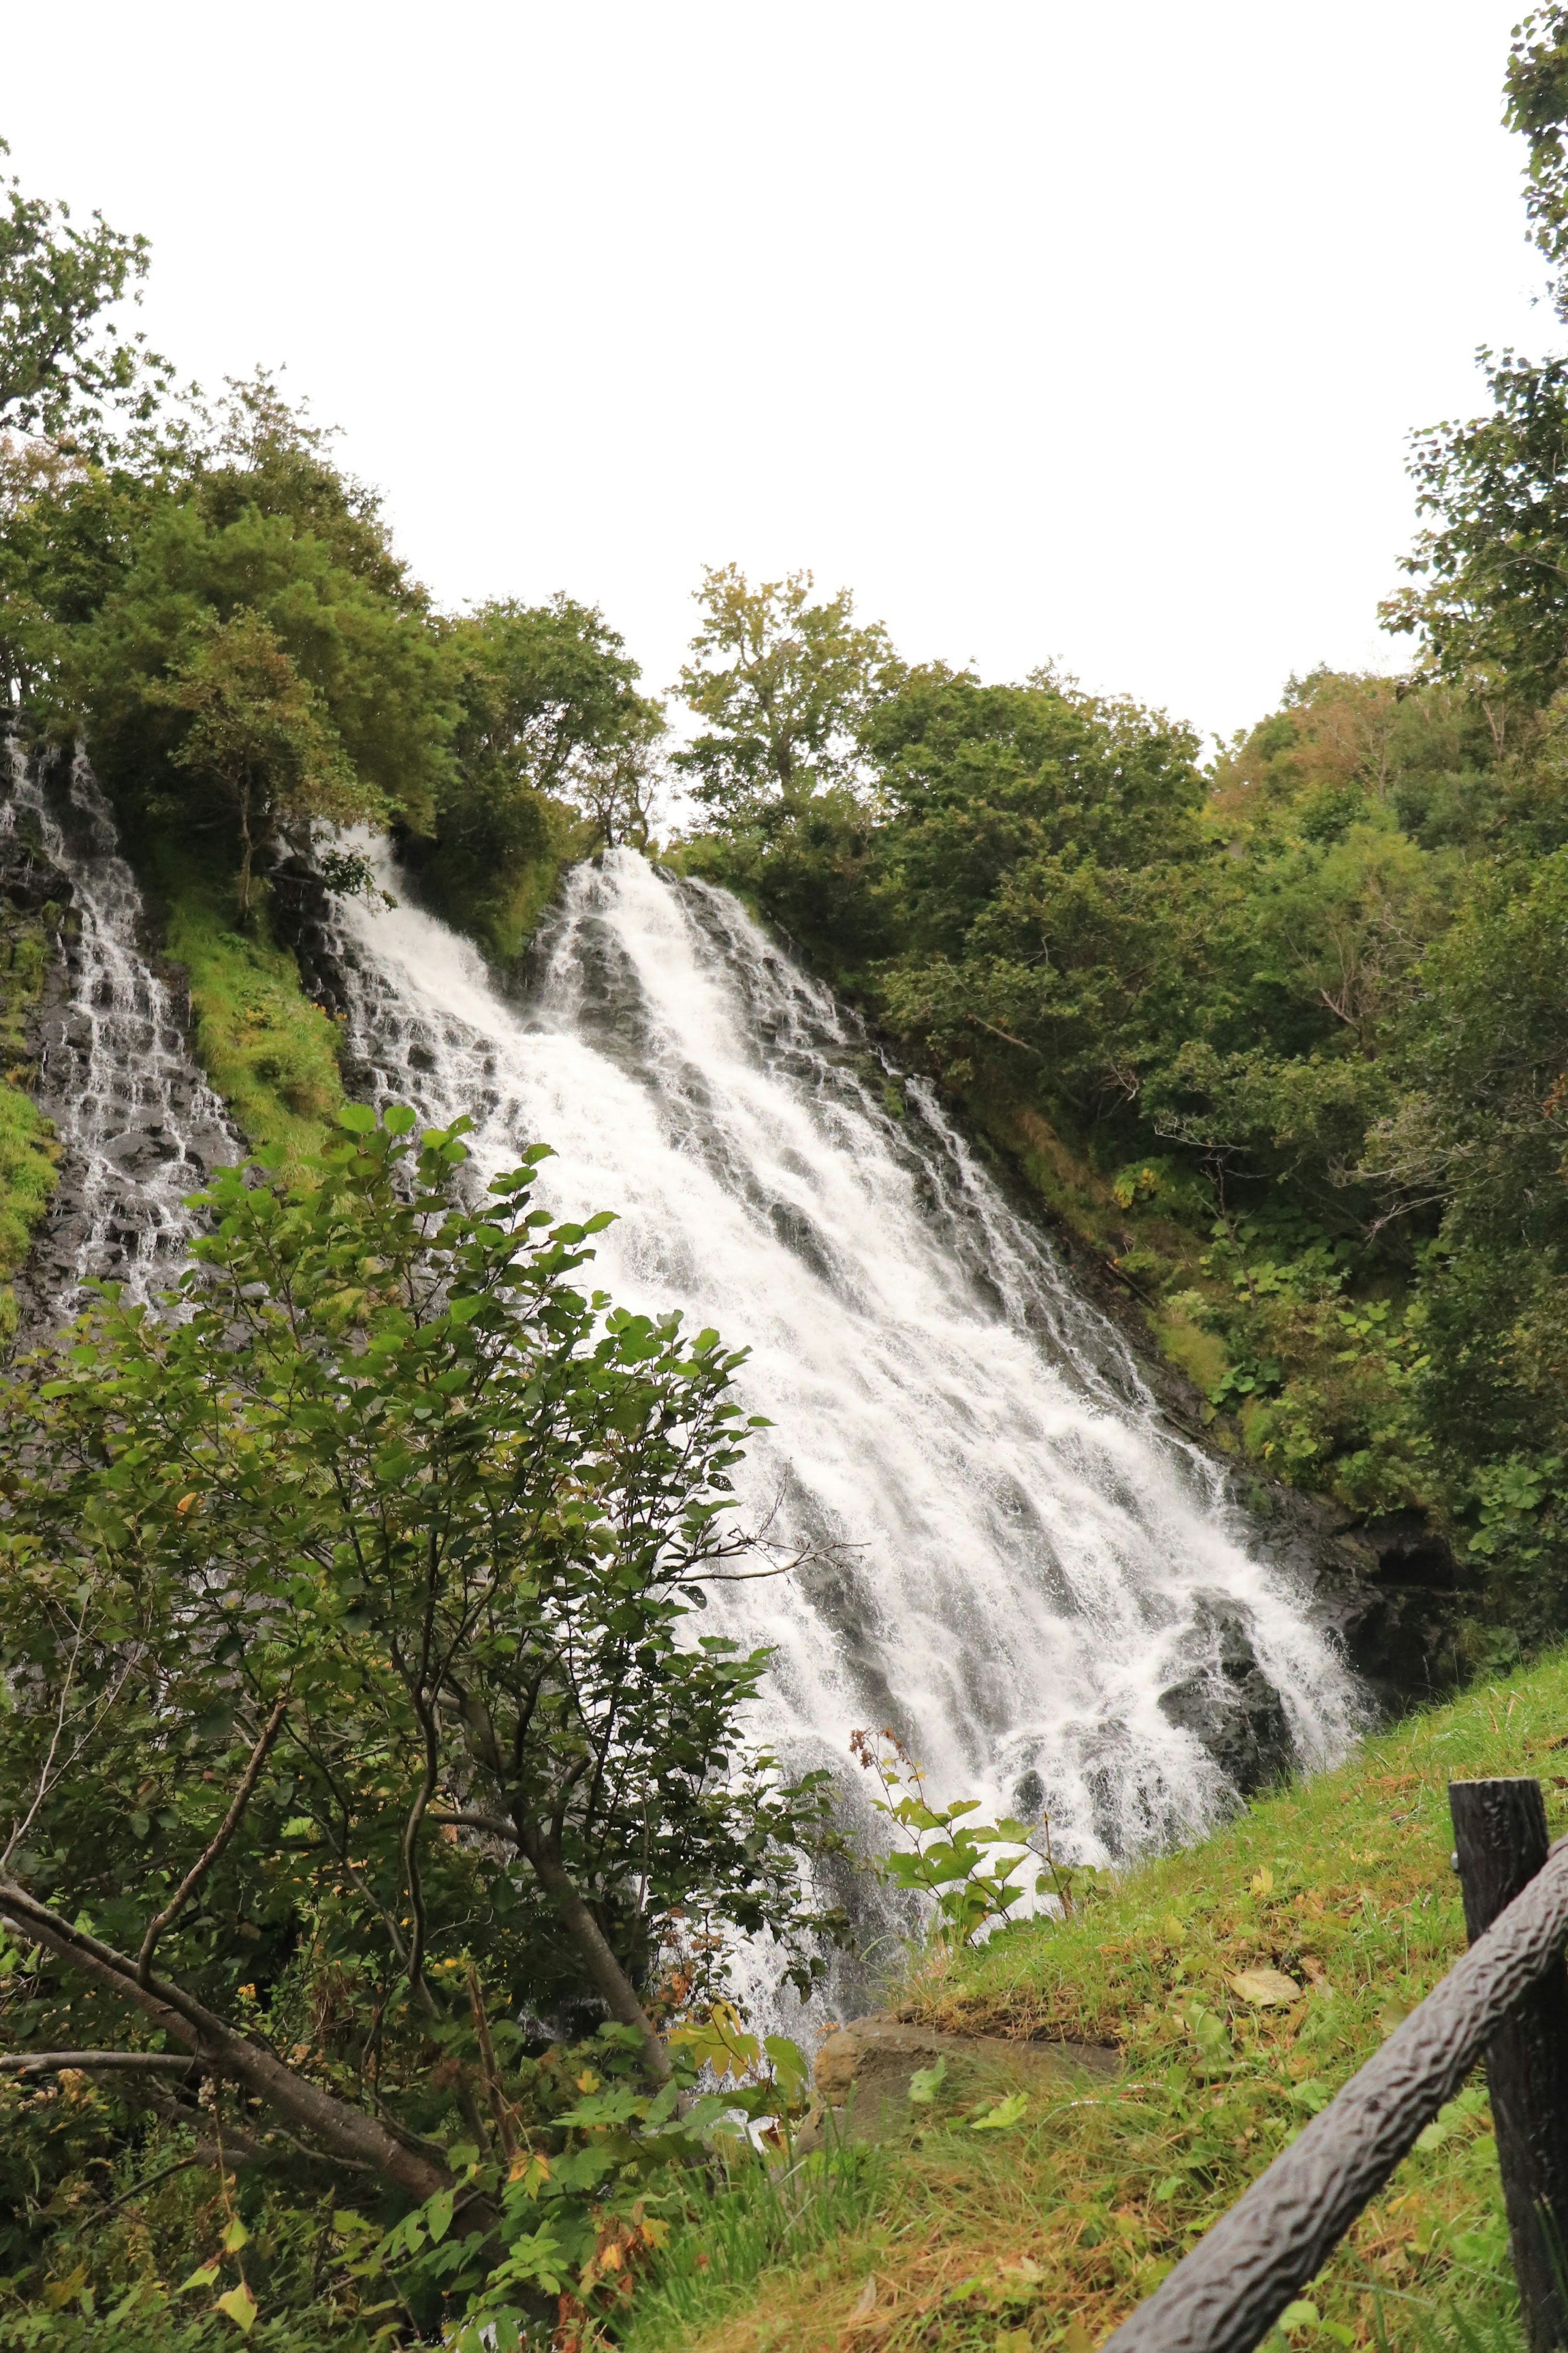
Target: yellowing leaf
{"points": [[1173, 1930], [1261, 1883], [587, 2080], [240, 2306], [1076, 2339], [1300, 2315], [1268, 1988], [234, 2237], [186, 1503], [202, 2278]]}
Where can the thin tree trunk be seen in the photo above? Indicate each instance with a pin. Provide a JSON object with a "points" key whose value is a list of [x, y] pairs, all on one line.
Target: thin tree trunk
{"points": [[605, 1971], [244, 853]]}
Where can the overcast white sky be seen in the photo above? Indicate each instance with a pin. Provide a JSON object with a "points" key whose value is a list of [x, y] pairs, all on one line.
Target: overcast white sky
{"points": [[1052, 328]]}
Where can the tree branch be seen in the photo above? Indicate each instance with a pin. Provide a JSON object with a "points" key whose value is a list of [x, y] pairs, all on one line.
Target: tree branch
{"points": [[344, 2131], [48, 2062], [230, 1823]]}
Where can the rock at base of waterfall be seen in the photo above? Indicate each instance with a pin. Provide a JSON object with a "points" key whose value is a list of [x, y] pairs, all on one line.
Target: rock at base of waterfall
{"points": [[863, 2073], [1228, 1703]]}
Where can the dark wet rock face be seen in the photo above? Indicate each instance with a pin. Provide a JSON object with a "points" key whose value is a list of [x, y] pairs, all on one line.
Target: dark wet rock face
{"points": [[1227, 1702], [302, 913], [27, 878]]}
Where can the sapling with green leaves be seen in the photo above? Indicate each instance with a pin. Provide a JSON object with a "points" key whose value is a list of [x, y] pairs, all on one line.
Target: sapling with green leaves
{"points": [[946, 1856], [350, 1617]]}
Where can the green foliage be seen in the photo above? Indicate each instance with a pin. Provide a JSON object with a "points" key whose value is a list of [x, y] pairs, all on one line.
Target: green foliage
{"points": [[589, 2196], [1494, 615], [232, 536], [950, 1860], [64, 365], [471, 1508], [351, 1671], [783, 688], [1536, 89], [258, 737], [553, 754]]}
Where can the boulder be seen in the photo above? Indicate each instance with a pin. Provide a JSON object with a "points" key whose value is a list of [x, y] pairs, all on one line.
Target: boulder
{"points": [[1227, 1702], [864, 2071], [26, 877]]}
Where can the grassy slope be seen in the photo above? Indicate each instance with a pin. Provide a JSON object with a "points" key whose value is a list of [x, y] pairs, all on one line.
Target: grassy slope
{"points": [[27, 1150], [268, 1050], [1047, 2234]]}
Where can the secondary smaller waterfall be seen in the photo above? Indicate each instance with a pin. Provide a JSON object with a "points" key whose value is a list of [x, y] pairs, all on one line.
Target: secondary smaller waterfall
{"points": [[1030, 1561], [139, 1124]]}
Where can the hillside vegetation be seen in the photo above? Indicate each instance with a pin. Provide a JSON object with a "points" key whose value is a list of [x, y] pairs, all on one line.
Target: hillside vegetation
{"points": [[1047, 2232], [378, 1824]]}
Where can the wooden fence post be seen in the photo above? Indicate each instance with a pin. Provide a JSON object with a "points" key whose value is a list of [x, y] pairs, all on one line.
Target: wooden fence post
{"points": [[1500, 1835]]}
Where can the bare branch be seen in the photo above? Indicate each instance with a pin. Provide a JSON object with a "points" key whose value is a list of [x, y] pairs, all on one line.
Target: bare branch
{"points": [[50, 2063], [230, 1823]]}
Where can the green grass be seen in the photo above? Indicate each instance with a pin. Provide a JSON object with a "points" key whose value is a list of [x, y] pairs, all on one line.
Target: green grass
{"points": [[267, 1049], [766, 2216], [27, 1149], [1049, 2235]]}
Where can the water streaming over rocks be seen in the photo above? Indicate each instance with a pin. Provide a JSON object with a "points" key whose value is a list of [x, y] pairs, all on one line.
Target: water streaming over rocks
{"points": [[138, 1124], [1046, 1593]]}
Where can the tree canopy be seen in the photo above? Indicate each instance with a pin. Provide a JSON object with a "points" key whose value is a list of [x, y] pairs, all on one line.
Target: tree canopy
{"points": [[66, 367]]}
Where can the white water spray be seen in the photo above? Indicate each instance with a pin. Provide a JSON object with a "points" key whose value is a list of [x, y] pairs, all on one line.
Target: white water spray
{"points": [[1032, 1560], [138, 1124]]}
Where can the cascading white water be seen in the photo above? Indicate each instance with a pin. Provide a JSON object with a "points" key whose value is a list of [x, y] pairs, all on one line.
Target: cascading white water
{"points": [[138, 1123], [1031, 1558]]}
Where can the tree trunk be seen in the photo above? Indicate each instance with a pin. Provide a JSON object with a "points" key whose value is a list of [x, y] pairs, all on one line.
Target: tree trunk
{"points": [[594, 1946], [246, 848]]}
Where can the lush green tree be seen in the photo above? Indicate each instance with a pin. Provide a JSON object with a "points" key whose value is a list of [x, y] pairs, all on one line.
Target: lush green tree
{"points": [[784, 687], [376, 664], [550, 717], [65, 365], [349, 1628], [977, 780], [1536, 96], [1031, 855], [1494, 609], [260, 738], [1493, 612], [1483, 1128]]}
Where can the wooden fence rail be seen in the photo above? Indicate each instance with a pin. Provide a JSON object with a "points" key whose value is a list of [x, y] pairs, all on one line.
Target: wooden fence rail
{"points": [[1507, 1999]]}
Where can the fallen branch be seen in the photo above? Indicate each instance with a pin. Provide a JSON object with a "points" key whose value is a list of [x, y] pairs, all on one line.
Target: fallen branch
{"points": [[344, 2132]]}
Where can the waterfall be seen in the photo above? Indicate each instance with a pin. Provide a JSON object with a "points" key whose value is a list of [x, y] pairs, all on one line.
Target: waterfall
{"points": [[138, 1124], [1025, 1561]]}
